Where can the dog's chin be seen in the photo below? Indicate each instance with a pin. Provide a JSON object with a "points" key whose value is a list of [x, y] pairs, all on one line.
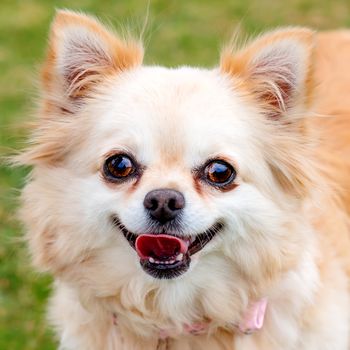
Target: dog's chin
{"points": [[173, 251]]}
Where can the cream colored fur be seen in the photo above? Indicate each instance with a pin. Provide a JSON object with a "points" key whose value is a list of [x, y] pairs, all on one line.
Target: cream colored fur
{"points": [[286, 235]]}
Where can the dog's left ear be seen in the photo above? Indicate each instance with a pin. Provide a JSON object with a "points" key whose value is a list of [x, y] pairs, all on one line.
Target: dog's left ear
{"points": [[274, 68], [274, 72]]}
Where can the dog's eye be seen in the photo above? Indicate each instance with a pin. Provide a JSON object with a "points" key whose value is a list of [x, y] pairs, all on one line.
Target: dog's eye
{"points": [[119, 167], [219, 173]]}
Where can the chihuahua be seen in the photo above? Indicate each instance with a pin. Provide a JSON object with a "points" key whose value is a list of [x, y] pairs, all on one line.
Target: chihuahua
{"points": [[191, 208]]}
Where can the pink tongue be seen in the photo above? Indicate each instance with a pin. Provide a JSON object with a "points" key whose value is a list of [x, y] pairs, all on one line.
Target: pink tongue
{"points": [[161, 247]]}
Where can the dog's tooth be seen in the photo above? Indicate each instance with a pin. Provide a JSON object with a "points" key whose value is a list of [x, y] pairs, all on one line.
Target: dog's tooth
{"points": [[166, 262], [179, 257]]}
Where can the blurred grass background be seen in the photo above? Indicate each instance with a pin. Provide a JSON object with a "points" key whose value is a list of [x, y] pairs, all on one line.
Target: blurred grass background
{"points": [[178, 33]]}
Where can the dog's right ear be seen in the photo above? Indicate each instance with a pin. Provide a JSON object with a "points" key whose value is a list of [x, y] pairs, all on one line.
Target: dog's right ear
{"points": [[82, 55], [82, 52]]}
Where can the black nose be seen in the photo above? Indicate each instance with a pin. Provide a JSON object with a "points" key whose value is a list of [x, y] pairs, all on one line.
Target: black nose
{"points": [[164, 204]]}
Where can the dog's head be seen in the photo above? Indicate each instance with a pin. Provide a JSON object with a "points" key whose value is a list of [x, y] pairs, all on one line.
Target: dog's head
{"points": [[150, 173]]}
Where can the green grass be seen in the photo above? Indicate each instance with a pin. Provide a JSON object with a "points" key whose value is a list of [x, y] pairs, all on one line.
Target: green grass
{"points": [[178, 33]]}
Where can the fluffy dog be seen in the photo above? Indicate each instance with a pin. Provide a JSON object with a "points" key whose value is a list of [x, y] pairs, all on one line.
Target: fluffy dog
{"points": [[193, 208]]}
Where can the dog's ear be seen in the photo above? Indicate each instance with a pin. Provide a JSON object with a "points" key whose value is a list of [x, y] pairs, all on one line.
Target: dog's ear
{"points": [[274, 72], [274, 68], [81, 53]]}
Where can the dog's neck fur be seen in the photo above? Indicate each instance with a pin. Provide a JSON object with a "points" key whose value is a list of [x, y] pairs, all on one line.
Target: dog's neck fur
{"points": [[146, 312], [289, 298]]}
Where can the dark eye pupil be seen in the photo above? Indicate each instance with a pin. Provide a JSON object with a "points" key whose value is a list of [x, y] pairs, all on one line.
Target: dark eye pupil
{"points": [[219, 172], [119, 166], [121, 163]]}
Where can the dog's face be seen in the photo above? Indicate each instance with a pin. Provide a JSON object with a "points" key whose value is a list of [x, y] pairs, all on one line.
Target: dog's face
{"points": [[150, 173], [173, 154]]}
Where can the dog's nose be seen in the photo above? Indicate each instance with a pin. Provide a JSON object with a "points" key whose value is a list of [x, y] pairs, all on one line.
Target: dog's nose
{"points": [[164, 204]]}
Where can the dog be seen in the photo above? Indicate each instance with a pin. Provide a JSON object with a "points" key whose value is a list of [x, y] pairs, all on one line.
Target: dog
{"points": [[190, 208]]}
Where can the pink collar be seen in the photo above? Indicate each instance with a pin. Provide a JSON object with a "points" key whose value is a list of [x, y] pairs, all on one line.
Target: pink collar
{"points": [[252, 321]]}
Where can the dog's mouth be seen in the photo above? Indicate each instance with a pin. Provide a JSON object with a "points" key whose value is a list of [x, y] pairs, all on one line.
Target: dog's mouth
{"points": [[164, 255]]}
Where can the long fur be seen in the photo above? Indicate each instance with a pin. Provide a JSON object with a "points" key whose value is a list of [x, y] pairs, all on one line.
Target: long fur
{"points": [[277, 110]]}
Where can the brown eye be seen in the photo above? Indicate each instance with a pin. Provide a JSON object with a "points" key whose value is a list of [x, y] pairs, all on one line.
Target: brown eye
{"points": [[119, 167], [219, 173]]}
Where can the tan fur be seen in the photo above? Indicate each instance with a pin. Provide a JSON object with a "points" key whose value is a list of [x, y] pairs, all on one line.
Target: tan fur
{"points": [[333, 129], [51, 129], [255, 88], [332, 103], [123, 55], [287, 236], [236, 63]]}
